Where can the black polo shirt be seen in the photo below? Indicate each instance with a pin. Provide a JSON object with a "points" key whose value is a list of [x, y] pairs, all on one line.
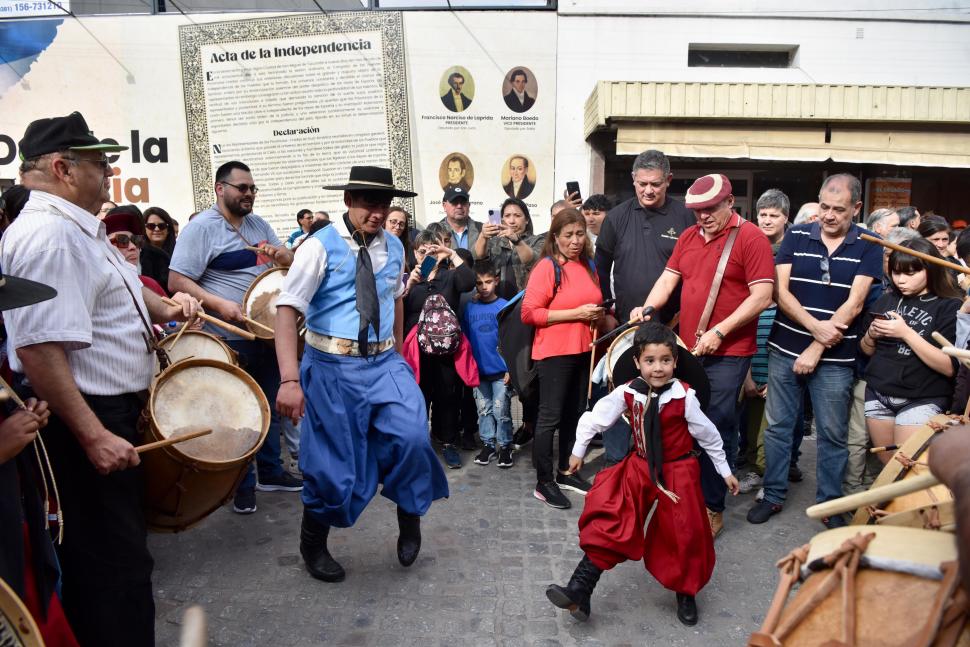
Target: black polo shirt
{"points": [[635, 244]]}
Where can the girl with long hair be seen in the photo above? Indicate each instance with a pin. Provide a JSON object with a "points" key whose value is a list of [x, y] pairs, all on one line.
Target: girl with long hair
{"points": [[909, 379]]}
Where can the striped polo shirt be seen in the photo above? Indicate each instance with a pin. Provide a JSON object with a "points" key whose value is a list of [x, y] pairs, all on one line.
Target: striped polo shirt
{"points": [[803, 249]]}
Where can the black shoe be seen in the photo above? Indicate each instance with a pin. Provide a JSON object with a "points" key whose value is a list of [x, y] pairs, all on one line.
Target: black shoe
{"points": [[285, 482], [522, 436], [486, 456], [451, 456], [244, 502], [835, 521], [550, 494], [794, 474], [505, 457], [313, 547], [762, 511], [468, 442], [573, 482], [575, 595], [409, 541], [686, 609]]}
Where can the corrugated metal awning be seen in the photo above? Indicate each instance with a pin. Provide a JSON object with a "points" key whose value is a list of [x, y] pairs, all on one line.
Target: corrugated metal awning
{"points": [[888, 125]]}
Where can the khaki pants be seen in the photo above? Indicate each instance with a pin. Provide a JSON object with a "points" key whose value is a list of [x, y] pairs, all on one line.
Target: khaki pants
{"points": [[862, 467]]}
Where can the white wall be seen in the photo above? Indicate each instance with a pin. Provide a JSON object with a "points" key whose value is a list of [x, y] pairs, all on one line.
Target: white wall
{"points": [[647, 48]]}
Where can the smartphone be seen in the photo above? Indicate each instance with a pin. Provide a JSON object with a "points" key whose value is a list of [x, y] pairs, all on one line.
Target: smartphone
{"points": [[608, 303], [427, 265], [571, 188], [886, 316], [495, 216]]}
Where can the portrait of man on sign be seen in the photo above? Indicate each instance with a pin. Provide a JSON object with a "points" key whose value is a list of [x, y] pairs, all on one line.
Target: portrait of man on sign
{"points": [[520, 89], [457, 89]]}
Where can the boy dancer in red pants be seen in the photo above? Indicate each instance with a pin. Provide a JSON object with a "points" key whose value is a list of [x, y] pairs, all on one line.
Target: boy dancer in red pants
{"points": [[665, 417]]}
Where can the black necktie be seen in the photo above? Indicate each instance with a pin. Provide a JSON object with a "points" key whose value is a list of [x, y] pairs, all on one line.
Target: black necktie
{"points": [[366, 286], [651, 427]]}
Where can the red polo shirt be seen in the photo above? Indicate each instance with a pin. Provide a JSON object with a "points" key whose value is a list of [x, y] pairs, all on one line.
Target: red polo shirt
{"points": [[695, 261]]}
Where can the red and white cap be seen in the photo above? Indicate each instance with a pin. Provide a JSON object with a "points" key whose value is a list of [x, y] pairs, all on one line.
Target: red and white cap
{"points": [[707, 191]]}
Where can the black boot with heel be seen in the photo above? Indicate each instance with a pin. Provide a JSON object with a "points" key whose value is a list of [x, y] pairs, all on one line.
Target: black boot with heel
{"points": [[313, 547], [575, 596]]}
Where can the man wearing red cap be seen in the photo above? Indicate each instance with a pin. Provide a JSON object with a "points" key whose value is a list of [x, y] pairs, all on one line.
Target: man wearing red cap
{"points": [[727, 269]]}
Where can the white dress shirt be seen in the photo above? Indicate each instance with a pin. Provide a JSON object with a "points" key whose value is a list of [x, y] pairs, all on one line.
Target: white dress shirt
{"points": [[609, 409], [93, 318], [309, 268]]}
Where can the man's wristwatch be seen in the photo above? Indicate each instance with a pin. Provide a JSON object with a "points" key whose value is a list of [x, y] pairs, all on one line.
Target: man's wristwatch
{"points": [[717, 332]]}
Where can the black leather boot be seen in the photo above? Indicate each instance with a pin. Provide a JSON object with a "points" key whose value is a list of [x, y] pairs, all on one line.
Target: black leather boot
{"points": [[409, 539], [686, 609], [313, 547], [575, 596]]}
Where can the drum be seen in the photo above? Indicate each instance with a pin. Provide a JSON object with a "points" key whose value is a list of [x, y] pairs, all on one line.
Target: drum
{"points": [[620, 368], [187, 481], [931, 508], [259, 303], [195, 344], [17, 627], [884, 586]]}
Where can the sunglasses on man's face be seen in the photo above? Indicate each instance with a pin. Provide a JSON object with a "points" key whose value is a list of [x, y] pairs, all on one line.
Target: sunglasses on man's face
{"points": [[121, 241], [156, 226]]}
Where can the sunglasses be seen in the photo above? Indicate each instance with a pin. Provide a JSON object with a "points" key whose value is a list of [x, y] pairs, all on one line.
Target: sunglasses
{"points": [[243, 188], [156, 226], [121, 241], [102, 163], [823, 264]]}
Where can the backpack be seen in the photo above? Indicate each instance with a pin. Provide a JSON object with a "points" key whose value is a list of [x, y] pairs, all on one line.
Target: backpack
{"points": [[439, 332], [515, 341]]}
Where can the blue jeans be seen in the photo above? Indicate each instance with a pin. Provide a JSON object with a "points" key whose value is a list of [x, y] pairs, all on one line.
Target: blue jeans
{"points": [[259, 360], [830, 390], [726, 374], [494, 402]]}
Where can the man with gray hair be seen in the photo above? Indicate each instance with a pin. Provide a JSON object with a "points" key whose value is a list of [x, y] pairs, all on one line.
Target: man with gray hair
{"points": [[824, 272], [882, 220], [909, 217], [807, 213], [638, 236]]}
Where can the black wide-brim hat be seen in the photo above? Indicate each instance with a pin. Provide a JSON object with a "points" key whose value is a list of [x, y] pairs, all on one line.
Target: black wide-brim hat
{"points": [[689, 369], [45, 136], [372, 178], [16, 292]]}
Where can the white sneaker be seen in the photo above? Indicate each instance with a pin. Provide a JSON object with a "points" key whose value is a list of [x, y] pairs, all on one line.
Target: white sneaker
{"points": [[760, 495], [749, 481]]}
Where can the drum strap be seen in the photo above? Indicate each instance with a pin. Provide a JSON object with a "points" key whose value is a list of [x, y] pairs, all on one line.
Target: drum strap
{"points": [[716, 284]]}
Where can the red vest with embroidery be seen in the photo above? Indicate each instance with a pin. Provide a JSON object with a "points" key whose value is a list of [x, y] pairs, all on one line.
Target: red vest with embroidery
{"points": [[674, 435]]}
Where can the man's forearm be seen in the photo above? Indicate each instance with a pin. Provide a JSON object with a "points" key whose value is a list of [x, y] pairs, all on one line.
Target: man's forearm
{"points": [[286, 343], [50, 377], [788, 304], [662, 289], [961, 489]]}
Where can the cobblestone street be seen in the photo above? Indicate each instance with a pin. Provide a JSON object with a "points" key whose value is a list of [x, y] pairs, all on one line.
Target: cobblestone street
{"points": [[488, 553]]}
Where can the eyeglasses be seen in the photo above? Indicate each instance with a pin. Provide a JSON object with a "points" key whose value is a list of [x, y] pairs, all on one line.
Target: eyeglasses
{"points": [[121, 241], [823, 264], [156, 226], [243, 188], [103, 163]]}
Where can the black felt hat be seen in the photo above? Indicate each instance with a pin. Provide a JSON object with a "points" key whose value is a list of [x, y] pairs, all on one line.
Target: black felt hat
{"points": [[17, 293], [453, 192], [59, 133], [371, 178]]}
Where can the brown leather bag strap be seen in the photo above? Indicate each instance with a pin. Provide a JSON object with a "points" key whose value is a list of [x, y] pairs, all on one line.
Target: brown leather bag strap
{"points": [[718, 277]]}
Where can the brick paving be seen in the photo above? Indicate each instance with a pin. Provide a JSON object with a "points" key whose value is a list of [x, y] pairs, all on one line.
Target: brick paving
{"points": [[489, 552]]}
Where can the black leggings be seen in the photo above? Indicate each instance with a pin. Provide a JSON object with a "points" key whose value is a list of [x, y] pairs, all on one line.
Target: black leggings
{"points": [[562, 399], [441, 387]]}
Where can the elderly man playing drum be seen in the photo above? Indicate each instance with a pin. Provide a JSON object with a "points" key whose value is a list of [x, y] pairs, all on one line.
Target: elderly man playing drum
{"points": [[89, 353], [215, 261], [364, 420]]}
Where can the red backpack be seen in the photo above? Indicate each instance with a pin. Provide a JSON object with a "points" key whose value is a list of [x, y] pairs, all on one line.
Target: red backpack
{"points": [[439, 332]]}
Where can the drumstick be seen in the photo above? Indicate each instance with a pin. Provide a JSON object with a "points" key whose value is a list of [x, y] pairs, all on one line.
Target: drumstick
{"points": [[215, 321], [623, 328], [592, 358], [185, 327], [253, 322], [913, 252], [253, 249], [171, 441], [12, 394], [886, 448], [874, 495]]}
